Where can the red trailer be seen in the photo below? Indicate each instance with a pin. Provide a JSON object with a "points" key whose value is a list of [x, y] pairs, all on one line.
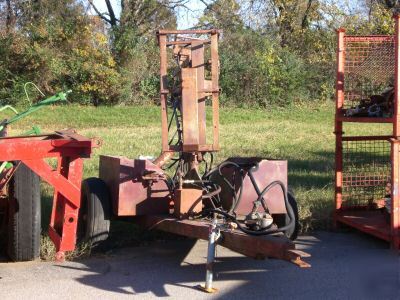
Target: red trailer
{"points": [[367, 167], [242, 203]]}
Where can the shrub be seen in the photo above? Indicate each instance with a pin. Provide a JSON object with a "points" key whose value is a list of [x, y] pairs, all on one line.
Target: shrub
{"points": [[255, 70], [60, 54]]}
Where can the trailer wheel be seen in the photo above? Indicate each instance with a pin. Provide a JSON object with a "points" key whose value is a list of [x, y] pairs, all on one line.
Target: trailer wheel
{"points": [[292, 232], [95, 212], [23, 238], [283, 219]]}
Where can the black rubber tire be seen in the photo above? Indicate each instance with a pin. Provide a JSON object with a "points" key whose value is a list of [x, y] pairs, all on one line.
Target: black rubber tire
{"points": [[23, 238], [95, 212], [293, 232]]}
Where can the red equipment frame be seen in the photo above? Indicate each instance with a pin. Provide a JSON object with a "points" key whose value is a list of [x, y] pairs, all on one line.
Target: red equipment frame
{"points": [[69, 148], [356, 180], [194, 106], [258, 247], [138, 188]]}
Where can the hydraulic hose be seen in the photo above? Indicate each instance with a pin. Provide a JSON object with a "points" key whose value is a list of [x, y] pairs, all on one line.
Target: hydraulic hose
{"points": [[211, 194], [236, 198], [264, 231]]}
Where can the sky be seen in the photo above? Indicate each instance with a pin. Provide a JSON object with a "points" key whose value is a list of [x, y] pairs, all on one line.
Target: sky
{"points": [[186, 19]]}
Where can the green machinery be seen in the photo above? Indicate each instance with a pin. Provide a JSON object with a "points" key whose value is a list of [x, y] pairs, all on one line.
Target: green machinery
{"points": [[35, 130]]}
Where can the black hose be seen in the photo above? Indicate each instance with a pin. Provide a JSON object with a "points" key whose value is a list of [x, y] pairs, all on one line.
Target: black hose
{"points": [[212, 193], [232, 186], [255, 185], [264, 231]]}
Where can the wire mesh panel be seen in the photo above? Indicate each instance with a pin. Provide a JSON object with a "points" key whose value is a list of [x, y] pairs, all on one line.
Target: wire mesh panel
{"points": [[369, 67], [366, 171]]}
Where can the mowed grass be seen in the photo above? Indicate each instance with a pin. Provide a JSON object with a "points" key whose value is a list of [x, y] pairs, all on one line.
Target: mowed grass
{"points": [[301, 134]]}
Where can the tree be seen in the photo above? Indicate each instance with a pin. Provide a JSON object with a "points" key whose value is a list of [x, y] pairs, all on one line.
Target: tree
{"points": [[59, 47], [390, 4], [10, 16], [134, 44], [140, 18], [287, 17], [143, 16], [222, 14]]}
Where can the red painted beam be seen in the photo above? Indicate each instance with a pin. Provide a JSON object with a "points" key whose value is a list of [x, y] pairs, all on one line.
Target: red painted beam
{"points": [[27, 148], [252, 246], [70, 191]]}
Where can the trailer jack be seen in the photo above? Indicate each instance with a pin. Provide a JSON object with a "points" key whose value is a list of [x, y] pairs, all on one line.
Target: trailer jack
{"points": [[212, 243]]}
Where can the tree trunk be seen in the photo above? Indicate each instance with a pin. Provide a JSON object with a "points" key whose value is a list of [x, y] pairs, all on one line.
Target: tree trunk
{"points": [[10, 20]]}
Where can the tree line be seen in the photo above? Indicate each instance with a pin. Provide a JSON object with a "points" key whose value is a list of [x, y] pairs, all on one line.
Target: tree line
{"points": [[272, 52]]}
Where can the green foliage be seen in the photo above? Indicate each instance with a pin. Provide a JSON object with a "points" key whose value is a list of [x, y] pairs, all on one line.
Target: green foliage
{"points": [[135, 49], [222, 14], [285, 60], [272, 52], [257, 71], [138, 60], [380, 21], [146, 16], [66, 50]]}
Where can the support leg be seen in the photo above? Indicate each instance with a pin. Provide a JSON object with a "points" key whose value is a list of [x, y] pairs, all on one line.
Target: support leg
{"points": [[64, 217], [395, 204], [214, 235]]}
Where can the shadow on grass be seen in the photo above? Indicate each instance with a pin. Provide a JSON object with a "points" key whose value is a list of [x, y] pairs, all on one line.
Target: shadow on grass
{"points": [[47, 203], [312, 181], [312, 174]]}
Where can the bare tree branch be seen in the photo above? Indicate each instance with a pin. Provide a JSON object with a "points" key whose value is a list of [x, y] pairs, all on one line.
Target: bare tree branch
{"points": [[208, 6], [100, 14], [113, 19]]}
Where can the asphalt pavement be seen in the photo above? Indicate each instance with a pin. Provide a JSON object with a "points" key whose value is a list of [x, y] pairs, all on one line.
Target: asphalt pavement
{"points": [[344, 266]]}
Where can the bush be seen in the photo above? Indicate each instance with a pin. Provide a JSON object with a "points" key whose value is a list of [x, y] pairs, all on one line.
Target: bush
{"points": [[60, 54], [256, 71], [138, 58]]}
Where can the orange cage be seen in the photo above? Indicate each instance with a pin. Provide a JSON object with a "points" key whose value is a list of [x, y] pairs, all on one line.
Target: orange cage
{"points": [[366, 167]]}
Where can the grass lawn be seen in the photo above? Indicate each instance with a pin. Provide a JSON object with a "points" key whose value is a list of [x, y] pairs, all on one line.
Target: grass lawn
{"points": [[301, 134]]}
